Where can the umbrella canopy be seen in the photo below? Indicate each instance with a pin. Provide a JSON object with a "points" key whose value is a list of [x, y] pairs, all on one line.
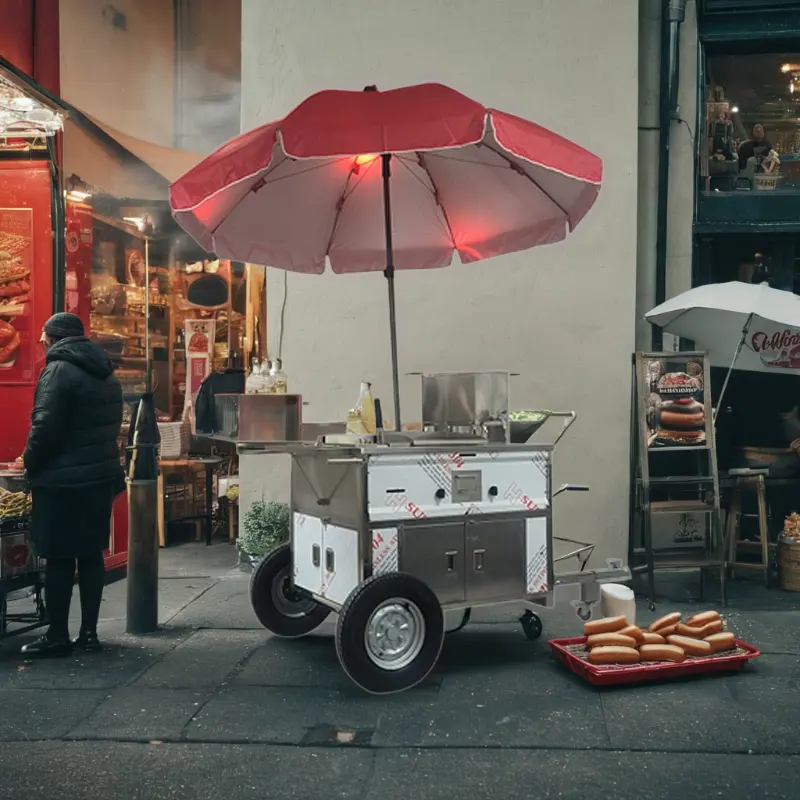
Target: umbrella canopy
{"points": [[764, 322], [464, 178]]}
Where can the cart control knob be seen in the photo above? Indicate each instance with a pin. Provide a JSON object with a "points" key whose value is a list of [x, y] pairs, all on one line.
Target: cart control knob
{"points": [[492, 491], [440, 494]]}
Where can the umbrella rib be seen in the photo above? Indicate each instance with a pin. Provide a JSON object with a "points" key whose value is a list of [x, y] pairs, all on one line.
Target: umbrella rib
{"points": [[257, 185], [518, 169], [437, 197], [343, 199]]}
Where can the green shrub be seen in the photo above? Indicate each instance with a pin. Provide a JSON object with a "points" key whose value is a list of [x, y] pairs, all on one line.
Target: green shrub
{"points": [[266, 525]]}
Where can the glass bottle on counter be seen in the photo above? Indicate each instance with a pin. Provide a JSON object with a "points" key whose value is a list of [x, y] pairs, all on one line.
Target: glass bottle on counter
{"points": [[265, 382], [254, 378], [279, 383]]}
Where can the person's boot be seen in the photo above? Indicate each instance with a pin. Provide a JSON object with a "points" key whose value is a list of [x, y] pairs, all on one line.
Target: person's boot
{"points": [[47, 647], [88, 642]]}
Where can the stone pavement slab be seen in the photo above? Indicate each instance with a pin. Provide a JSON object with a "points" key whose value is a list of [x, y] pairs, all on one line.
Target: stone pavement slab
{"points": [[206, 658], [44, 713], [141, 714]]}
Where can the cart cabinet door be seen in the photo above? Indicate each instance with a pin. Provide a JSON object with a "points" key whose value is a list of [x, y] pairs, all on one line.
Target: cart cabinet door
{"points": [[495, 566], [341, 566], [435, 555], [307, 552]]}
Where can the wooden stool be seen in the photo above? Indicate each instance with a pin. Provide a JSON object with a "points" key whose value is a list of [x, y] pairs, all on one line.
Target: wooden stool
{"points": [[748, 481]]}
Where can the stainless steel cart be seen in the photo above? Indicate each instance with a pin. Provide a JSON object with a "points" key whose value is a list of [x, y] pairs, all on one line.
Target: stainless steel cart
{"points": [[391, 533]]}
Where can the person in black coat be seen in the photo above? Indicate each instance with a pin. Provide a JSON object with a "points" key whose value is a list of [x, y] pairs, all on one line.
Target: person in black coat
{"points": [[72, 463]]}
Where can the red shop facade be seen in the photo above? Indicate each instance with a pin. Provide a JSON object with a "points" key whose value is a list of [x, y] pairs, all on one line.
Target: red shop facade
{"points": [[45, 243]]}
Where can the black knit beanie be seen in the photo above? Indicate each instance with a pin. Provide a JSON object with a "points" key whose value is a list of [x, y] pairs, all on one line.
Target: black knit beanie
{"points": [[63, 325]]}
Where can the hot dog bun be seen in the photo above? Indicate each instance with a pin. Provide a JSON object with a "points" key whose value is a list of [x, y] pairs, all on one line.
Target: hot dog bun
{"points": [[614, 655], [665, 622], [634, 631], [653, 638], [604, 625], [698, 620], [721, 641], [699, 632], [667, 632], [692, 647], [606, 639], [661, 652]]}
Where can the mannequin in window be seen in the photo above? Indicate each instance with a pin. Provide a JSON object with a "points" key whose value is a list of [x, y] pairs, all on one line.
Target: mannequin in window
{"points": [[756, 147]]}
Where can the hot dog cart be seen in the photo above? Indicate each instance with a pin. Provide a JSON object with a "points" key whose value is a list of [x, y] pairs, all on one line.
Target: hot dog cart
{"points": [[392, 530]]}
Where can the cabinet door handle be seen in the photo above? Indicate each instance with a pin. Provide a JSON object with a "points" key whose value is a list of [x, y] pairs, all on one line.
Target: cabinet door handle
{"points": [[315, 555], [329, 559], [477, 560], [450, 555]]}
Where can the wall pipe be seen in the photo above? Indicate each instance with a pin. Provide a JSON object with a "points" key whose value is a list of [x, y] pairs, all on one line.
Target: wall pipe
{"points": [[673, 13]]}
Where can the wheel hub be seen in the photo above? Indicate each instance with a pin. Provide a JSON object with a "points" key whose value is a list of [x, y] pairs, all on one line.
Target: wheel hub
{"points": [[394, 634], [287, 599]]}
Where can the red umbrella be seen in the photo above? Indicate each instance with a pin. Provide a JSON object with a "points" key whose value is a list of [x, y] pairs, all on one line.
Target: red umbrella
{"points": [[379, 181]]}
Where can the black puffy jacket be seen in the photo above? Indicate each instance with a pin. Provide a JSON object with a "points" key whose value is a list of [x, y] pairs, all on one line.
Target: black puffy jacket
{"points": [[77, 414]]}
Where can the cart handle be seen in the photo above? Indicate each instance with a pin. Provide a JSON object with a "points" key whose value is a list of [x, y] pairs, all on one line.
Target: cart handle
{"points": [[570, 487], [569, 419]]}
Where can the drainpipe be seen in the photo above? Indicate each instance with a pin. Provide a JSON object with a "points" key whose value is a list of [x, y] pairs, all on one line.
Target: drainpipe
{"points": [[672, 15]]}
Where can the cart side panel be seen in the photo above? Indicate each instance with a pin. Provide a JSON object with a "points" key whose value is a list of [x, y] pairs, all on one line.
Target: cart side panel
{"points": [[436, 484], [307, 552], [537, 555]]}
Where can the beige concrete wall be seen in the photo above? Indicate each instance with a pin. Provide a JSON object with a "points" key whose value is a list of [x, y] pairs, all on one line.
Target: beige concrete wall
{"points": [[121, 74], [563, 316]]}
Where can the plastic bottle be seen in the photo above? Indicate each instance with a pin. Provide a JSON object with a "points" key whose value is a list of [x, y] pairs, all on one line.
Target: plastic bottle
{"points": [[361, 419], [279, 383]]}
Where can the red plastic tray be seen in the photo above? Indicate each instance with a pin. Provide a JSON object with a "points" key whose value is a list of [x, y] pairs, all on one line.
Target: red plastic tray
{"points": [[613, 675]]}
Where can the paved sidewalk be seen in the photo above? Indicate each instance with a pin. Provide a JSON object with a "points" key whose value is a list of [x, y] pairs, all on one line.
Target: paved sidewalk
{"points": [[212, 706]]}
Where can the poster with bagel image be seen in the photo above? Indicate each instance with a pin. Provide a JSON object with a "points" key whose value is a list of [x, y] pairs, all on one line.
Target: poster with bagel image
{"points": [[675, 400], [17, 338]]}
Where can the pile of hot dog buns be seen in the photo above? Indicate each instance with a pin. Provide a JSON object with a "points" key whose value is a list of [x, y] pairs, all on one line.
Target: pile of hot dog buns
{"points": [[612, 641]]}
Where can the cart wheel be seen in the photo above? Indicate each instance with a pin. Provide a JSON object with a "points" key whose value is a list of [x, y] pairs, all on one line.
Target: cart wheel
{"points": [[278, 606], [390, 633], [531, 625], [584, 613], [651, 605]]}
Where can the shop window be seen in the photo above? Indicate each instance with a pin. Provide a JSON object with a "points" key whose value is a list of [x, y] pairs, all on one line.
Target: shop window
{"points": [[751, 137]]}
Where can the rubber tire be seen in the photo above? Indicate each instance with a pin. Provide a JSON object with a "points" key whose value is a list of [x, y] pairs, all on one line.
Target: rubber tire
{"points": [[531, 625], [351, 627], [272, 618]]}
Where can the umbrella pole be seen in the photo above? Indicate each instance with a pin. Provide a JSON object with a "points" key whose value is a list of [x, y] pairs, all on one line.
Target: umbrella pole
{"points": [[739, 346], [389, 275]]}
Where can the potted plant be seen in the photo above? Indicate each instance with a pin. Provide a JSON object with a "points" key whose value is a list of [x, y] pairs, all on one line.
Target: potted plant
{"points": [[265, 526]]}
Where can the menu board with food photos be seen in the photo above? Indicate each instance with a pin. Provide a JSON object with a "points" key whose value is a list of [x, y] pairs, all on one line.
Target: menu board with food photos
{"points": [[674, 399], [18, 339]]}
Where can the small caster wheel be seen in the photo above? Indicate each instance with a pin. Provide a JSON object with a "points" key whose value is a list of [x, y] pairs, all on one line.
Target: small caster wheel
{"points": [[389, 633], [584, 614], [531, 625], [651, 605], [280, 608]]}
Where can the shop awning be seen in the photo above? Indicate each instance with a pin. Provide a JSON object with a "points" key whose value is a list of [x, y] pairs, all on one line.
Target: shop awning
{"points": [[118, 164]]}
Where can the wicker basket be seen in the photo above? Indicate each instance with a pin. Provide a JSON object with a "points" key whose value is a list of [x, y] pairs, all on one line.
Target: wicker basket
{"points": [[175, 437]]}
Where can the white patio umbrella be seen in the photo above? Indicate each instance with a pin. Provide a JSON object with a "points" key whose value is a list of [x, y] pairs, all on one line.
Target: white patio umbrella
{"points": [[760, 326]]}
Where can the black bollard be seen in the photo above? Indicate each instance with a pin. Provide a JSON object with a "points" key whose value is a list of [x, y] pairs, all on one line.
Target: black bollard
{"points": [[142, 480]]}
